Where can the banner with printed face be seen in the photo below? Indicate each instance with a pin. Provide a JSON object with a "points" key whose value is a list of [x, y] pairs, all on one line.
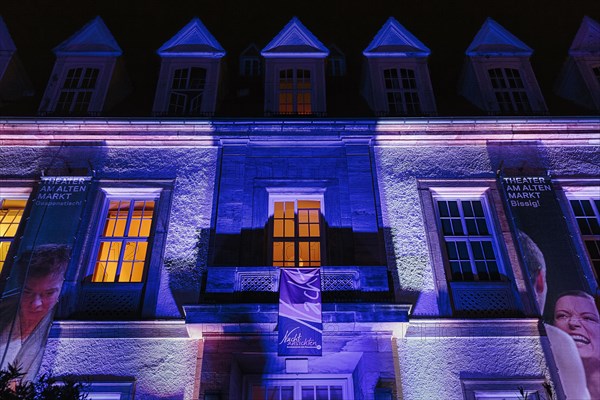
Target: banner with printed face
{"points": [[300, 320], [37, 274], [572, 320]]}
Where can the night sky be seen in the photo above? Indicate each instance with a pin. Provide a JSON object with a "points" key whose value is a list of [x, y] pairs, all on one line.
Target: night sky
{"points": [[446, 27]]}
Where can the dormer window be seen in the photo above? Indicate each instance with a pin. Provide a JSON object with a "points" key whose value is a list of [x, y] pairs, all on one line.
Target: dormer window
{"points": [[295, 72], [401, 91], [83, 73], [337, 66], [336, 63], [189, 73], [579, 80], [77, 90], [14, 82], [397, 78], [187, 90], [250, 62], [295, 91], [509, 90], [497, 76]]}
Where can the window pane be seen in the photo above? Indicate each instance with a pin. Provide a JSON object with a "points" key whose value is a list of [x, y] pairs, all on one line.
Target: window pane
{"points": [[308, 393], [4, 246], [278, 254], [302, 215], [132, 266], [289, 209], [289, 228], [141, 219], [315, 231], [278, 228], [303, 230], [287, 393], [322, 393], [443, 208], [289, 254], [106, 266], [278, 209], [335, 393], [315, 254]]}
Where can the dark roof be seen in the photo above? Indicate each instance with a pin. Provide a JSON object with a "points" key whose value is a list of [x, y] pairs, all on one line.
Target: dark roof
{"points": [[445, 27]]}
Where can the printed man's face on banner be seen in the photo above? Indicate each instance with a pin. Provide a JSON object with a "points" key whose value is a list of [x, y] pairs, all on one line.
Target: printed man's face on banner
{"points": [[578, 316], [40, 294]]}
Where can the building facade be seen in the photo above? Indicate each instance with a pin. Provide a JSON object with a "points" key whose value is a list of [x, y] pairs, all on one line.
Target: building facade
{"points": [[178, 224]]}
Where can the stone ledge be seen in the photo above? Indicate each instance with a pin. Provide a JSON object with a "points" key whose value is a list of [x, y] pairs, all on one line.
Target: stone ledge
{"points": [[456, 328], [122, 329]]}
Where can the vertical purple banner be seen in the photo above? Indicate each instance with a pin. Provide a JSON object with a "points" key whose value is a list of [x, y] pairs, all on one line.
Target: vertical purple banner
{"points": [[36, 277], [300, 320]]}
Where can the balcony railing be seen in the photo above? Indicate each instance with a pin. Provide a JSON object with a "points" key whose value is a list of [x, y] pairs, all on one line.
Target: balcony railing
{"points": [[339, 283]]}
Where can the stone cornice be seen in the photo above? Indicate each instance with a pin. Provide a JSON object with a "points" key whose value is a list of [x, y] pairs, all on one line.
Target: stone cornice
{"points": [[215, 132]]}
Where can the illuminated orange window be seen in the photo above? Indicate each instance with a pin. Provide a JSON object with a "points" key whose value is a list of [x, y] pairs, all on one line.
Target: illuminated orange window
{"points": [[123, 243], [11, 213], [295, 91], [297, 233]]}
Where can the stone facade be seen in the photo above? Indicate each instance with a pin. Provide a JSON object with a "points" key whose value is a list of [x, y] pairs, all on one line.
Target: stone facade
{"points": [[395, 331]]}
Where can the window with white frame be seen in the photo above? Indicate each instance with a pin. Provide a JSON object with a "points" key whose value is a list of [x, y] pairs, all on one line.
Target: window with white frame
{"points": [[295, 91], [509, 90], [122, 247], [471, 252], [12, 206], [585, 205], [187, 89], [401, 91], [297, 237], [77, 91], [308, 388]]}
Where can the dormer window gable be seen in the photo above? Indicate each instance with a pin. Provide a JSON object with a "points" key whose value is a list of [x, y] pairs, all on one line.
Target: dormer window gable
{"points": [[14, 82], [579, 80], [83, 73], [7, 48], [295, 72], [497, 76], [396, 81], [189, 75]]}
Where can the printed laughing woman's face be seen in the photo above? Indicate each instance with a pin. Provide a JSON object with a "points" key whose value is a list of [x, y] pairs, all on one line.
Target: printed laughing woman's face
{"points": [[577, 315]]}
